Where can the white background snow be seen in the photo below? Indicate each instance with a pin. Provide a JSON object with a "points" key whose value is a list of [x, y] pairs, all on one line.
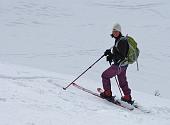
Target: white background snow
{"points": [[45, 44]]}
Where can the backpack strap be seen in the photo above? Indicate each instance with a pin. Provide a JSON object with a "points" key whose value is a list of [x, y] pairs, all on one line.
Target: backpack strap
{"points": [[125, 61], [137, 65], [121, 38]]}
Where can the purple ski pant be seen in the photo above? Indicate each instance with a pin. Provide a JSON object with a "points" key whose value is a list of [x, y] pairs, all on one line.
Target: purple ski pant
{"points": [[112, 71]]}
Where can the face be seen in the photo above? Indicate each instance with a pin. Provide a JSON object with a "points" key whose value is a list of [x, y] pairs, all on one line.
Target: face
{"points": [[115, 33]]}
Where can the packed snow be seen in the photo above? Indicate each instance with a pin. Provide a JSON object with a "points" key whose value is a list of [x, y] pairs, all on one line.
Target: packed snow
{"points": [[46, 44]]}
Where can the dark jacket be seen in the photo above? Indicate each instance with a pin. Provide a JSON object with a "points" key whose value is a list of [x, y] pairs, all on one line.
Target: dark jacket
{"points": [[120, 49]]}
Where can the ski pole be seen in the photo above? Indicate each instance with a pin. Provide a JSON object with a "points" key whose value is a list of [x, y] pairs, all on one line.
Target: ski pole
{"points": [[118, 86], [83, 73]]}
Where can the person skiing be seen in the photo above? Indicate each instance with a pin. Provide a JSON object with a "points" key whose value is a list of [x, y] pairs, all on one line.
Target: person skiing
{"points": [[117, 55]]}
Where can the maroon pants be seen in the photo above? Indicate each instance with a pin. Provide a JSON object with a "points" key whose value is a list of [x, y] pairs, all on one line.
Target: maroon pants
{"points": [[112, 71]]}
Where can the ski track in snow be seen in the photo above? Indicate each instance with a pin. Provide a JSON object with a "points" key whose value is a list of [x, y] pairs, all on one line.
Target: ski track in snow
{"points": [[25, 12]]}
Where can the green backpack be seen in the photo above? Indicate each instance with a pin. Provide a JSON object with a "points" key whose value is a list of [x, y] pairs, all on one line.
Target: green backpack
{"points": [[133, 51]]}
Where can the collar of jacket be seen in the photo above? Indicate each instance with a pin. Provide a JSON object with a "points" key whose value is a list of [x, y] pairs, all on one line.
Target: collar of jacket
{"points": [[117, 38]]}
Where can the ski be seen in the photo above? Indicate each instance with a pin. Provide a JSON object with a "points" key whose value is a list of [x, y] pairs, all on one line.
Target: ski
{"points": [[117, 101], [127, 105], [113, 100], [85, 90], [141, 108]]}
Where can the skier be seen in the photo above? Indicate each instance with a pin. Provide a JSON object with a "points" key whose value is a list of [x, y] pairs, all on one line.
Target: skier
{"points": [[117, 55]]}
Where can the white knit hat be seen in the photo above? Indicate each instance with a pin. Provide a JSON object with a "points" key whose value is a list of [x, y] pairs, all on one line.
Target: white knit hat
{"points": [[117, 27]]}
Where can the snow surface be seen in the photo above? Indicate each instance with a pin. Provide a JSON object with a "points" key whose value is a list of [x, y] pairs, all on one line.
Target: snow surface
{"points": [[35, 97], [59, 39]]}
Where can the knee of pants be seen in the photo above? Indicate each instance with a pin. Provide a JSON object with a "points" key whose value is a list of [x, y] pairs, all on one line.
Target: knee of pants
{"points": [[104, 75]]}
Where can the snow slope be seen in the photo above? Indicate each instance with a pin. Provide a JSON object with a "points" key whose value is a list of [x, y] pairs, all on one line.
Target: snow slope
{"points": [[63, 38], [35, 97], [68, 36]]}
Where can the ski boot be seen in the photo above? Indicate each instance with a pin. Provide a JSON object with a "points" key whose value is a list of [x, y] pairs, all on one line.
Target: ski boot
{"points": [[106, 94], [128, 99]]}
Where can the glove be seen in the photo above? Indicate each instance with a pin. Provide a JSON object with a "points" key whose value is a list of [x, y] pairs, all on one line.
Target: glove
{"points": [[107, 52], [109, 58]]}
